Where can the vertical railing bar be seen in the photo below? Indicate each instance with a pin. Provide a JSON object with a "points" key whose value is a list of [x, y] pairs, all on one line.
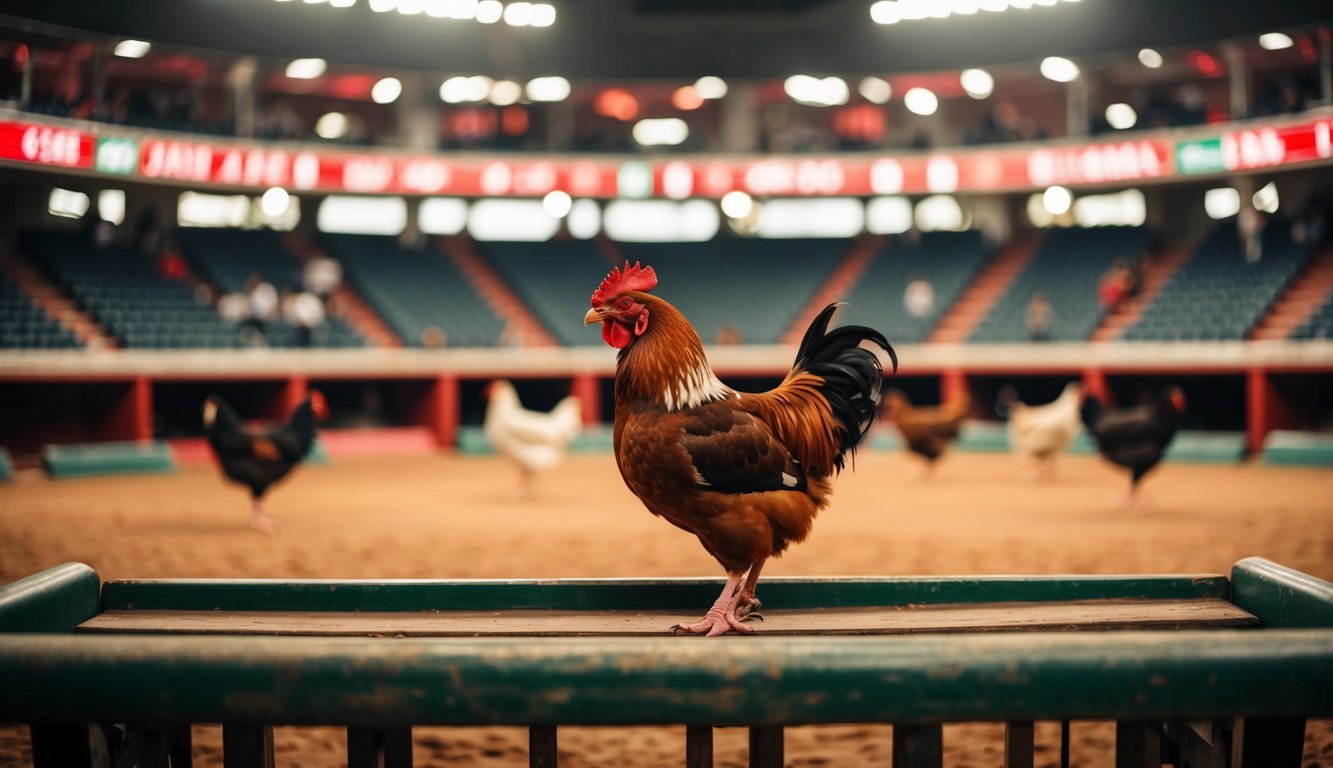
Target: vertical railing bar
{"points": [[247, 746], [766, 746], [542, 746], [1019, 744], [699, 746]]}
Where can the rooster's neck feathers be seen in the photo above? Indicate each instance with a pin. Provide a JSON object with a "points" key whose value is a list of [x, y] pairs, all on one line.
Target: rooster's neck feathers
{"points": [[667, 366]]}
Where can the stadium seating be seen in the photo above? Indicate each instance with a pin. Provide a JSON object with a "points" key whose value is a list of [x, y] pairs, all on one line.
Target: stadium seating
{"points": [[414, 290], [1319, 325], [228, 257], [948, 260], [1065, 269], [753, 287], [123, 291], [554, 280], [1218, 294], [23, 325]]}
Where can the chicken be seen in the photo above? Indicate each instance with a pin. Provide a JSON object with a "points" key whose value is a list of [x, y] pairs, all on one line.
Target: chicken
{"points": [[928, 430], [1134, 438], [259, 456], [1043, 432], [744, 472], [532, 440]]}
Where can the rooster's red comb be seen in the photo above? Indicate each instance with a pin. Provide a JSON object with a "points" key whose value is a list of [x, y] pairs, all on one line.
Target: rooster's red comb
{"points": [[635, 278]]}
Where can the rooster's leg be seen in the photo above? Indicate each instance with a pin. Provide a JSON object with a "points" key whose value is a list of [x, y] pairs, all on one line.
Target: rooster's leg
{"points": [[722, 616], [747, 605], [260, 519]]}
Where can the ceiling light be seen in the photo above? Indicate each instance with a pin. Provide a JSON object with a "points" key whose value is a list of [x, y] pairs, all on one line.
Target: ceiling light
{"points": [[1274, 41], [921, 101], [977, 82], [557, 204], [886, 12], [342, 3], [875, 90], [819, 92], [306, 69], [132, 49], [518, 14], [668, 131], [710, 87], [505, 92], [963, 7], [543, 15], [275, 201], [1121, 116], [1150, 58], [1059, 69], [383, 6], [737, 204], [490, 11], [331, 125], [994, 6], [1057, 200], [386, 91], [1222, 202], [411, 7], [546, 88], [1265, 199]]}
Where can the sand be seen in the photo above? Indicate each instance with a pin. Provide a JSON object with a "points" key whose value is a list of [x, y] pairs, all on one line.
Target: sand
{"points": [[450, 516]]}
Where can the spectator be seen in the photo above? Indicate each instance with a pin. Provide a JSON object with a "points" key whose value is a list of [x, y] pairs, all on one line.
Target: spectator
{"points": [[433, 337], [729, 336], [305, 312], [1039, 318], [919, 297], [322, 276], [263, 304], [1114, 286], [170, 262], [1250, 223]]}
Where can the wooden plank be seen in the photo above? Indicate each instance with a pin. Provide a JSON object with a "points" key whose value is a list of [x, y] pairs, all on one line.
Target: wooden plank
{"points": [[637, 594], [542, 751], [699, 746], [1019, 744], [918, 746], [247, 746], [1000, 617], [767, 747], [1276, 742], [1138, 744]]}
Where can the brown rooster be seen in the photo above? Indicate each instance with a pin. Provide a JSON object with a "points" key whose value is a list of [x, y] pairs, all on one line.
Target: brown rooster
{"points": [[928, 431], [745, 473]]}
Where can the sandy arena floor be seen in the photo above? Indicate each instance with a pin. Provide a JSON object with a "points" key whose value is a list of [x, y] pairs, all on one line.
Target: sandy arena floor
{"points": [[452, 517]]}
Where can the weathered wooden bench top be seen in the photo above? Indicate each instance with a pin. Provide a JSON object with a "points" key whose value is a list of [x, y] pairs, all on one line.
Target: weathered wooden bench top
{"points": [[1198, 613]]}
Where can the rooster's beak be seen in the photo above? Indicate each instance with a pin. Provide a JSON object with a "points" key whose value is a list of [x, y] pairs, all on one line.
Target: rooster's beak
{"points": [[593, 317]]}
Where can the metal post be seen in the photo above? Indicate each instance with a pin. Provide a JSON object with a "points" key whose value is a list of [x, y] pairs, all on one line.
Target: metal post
{"points": [[1019, 744], [918, 746], [699, 746], [766, 746]]}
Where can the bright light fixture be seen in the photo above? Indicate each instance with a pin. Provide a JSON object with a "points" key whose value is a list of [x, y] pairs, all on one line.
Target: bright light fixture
{"points": [[963, 7], [457, 90], [331, 125], [132, 49], [505, 92], [921, 101], [977, 82], [518, 14], [1057, 200], [1059, 69], [1265, 199], [490, 11], [710, 87], [386, 91], [737, 204], [1150, 58], [818, 92], [543, 15], [274, 202], [875, 90], [383, 6], [1121, 116], [306, 69], [551, 88], [411, 7], [1221, 202], [67, 204], [886, 12], [557, 204], [1275, 41], [342, 3], [666, 131]]}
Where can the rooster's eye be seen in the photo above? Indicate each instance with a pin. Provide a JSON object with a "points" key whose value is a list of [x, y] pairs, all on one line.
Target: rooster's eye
{"points": [[624, 302]]}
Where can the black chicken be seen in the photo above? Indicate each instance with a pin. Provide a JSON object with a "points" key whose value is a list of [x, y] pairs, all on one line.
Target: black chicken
{"points": [[259, 456], [1134, 438]]}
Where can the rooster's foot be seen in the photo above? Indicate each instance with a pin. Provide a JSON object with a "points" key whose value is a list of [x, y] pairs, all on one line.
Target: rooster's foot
{"points": [[715, 622], [747, 608]]}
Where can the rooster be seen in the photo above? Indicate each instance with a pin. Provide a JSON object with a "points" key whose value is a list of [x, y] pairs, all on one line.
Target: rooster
{"points": [[532, 440], [259, 456], [745, 473], [1134, 438], [928, 431], [1044, 431]]}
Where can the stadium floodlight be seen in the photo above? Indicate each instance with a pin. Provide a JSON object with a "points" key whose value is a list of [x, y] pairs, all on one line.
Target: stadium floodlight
{"points": [[543, 15], [737, 204], [518, 14], [1059, 69], [383, 6], [709, 87], [1150, 58], [1275, 41], [342, 3], [331, 125], [505, 92], [1265, 199], [667, 131], [921, 101], [411, 7], [963, 7], [490, 11], [1121, 116], [994, 6], [1057, 200], [132, 49], [977, 82], [557, 204], [551, 88], [886, 12], [306, 69], [817, 92], [1221, 202], [875, 90], [386, 91], [274, 202]]}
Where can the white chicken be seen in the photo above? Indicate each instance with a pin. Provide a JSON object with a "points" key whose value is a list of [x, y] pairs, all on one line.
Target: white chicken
{"points": [[532, 440], [1045, 431]]}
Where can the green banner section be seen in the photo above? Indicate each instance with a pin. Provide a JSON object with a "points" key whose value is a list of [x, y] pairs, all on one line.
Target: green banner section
{"points": [[1202, 156], [118, 156]]}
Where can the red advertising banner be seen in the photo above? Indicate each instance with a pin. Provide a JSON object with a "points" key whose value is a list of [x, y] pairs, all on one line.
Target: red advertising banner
{"points": [[1264, 147], [46, 145]]}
